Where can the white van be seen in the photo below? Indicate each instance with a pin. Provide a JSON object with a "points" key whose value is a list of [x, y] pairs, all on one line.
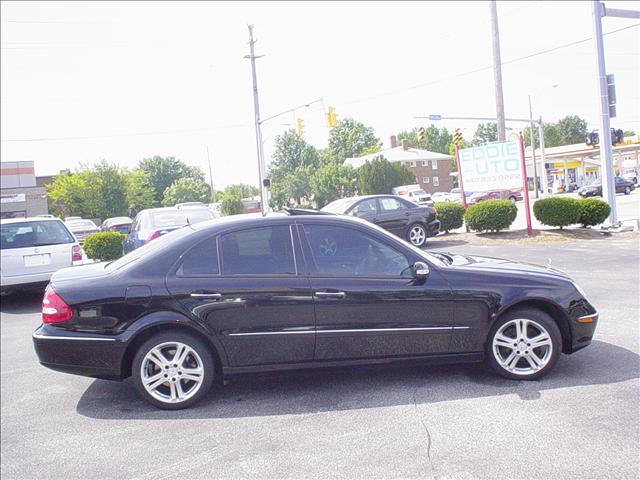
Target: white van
{"points": [[32, 249], [413, 193]]}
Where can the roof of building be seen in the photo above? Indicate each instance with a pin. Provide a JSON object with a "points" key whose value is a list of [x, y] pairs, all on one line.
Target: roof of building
{"points": [[398, 154]]}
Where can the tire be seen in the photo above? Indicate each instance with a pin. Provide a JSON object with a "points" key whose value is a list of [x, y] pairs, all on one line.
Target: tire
{"points": [[627, 190], [198, 360], [417, 235], [504, 352], [513, 199]]}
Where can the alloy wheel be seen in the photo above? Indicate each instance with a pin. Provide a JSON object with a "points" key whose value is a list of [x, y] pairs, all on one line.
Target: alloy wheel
{"points": [[172, 372], [522, 347], [417, 235]]}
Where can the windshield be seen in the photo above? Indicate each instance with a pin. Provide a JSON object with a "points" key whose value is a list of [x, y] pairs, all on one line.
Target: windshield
{"points": [[33, 234], [415, 193], [339, 206], [81, 223], [596, 183], [177, 218]]}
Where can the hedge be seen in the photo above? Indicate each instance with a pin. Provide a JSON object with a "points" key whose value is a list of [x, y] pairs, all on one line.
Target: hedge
{"points": [[491, 215], [103, 246], [450, 214], [557, 211], [593, 211]]}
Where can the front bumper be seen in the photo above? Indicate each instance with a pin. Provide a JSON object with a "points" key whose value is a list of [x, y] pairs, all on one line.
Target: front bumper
{"points": [[583, 329], [91, 355]]}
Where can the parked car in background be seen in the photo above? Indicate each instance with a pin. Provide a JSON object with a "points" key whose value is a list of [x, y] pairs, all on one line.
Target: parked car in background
{"points": [[81, 228], [45, 215], [68, 219], [152, 223], [31, 249], [190, 204], [412, 222], [117, 224], [632, 175], [512, 195], [595, 189], [413, 193], [455, 195], [441, 196], [250, 294]]}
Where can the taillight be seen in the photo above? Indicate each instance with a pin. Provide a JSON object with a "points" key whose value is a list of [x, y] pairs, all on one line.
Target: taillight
{"points": [[54, 309], [76, 253], [153, 236]]}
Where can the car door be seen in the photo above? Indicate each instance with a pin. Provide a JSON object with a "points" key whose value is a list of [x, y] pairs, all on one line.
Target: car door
{"points": [[367, 303], [246, 286], [393, 215], [620, 184], [366, 209]]}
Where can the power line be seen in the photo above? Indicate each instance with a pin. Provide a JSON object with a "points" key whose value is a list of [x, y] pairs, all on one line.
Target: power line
{"points": [[482, 69]]}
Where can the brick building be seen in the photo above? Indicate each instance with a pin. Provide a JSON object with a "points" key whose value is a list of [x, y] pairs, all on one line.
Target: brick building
{"points": [[19, 195], [432, 170]]}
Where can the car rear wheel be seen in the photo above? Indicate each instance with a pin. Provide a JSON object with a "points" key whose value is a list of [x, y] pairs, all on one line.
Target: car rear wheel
{"points": [[512, 199], [417, 235], [173, 370], [627, 190], [524, 344]]}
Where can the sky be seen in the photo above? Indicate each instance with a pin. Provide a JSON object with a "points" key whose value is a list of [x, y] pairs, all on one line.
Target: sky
{"points": [[122, 81]]}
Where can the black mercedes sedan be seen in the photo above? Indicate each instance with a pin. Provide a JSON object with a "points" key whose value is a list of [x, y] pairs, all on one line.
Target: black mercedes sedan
{"points": [[402, 217], [247, 294]]}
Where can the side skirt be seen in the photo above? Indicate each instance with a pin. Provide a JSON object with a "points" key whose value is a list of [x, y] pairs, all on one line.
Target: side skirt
{"points": [[449, 358]]}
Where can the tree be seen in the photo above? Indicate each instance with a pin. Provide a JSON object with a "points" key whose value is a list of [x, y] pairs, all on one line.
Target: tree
{"points": [[350, 139], [380, 176], [241, 190], [485, 133], [331, 182], [231, 205], [139, 192], [629, 133], [186, 190], [435, 139], [571, 129], [161, 172], [74, 194], [112, 190]]}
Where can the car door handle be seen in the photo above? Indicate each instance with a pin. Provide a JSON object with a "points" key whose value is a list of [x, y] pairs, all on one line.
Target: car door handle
{"points": [[330, 294], [206, 295]]}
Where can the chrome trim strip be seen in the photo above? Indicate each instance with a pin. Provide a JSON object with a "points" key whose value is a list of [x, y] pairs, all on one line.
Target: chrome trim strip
{"points": [[293, 249], [59, 337], [357, 330]]}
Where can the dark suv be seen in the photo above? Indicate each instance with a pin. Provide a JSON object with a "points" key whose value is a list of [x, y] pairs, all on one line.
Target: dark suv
{"points": [[399, 216]]}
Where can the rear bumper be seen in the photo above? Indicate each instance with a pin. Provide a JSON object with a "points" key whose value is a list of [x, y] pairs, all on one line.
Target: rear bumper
{"points": [[26, 281], [90, 355], [433, 228]]}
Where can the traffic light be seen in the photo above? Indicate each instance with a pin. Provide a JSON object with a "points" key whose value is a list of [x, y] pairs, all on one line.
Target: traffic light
{"points": [[421, 134], [457, 137], [332, 117], [617, 137], [300, 126], [593, 139]]}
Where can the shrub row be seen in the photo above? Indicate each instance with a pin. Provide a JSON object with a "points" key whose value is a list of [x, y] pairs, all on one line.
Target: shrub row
{"points": [[563, 211], [104, 246], [491, 215], [450, 214]]}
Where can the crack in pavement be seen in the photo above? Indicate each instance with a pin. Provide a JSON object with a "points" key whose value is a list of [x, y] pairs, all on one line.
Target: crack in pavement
{"points": [[426, 429]]}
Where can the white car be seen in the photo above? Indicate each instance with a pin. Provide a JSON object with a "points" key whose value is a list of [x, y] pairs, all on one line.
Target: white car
{"points": [[441, 197], [32, 249], [81, 228]]}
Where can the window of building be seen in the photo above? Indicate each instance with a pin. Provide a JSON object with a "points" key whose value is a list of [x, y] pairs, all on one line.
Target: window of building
{"points": [[412, 164], [425, 163], [436, 181], [425, 179], [257, 251], [434, 165]]}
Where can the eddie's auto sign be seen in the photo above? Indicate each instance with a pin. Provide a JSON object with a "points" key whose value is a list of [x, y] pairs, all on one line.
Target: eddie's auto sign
{"points": [[491, 167]]}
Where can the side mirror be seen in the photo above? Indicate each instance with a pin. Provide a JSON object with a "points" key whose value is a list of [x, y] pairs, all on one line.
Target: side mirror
{"points": [[420, 270]]}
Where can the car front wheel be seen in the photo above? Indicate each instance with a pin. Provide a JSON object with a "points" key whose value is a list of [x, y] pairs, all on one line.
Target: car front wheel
{"points": [[627, 190], [173, 370], [524, 345], [417, 235]]}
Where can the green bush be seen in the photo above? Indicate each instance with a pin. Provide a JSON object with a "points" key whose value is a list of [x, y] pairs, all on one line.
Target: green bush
{"points": [[557, 211], [491, 215], [593, 211], [103, 246], [231, 205], [450, 214]]}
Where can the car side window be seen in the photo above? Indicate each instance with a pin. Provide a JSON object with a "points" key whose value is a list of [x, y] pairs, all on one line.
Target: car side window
{"points": [[390, 205], [258, 251], [364, 208], [200, 260], [348, 252]]}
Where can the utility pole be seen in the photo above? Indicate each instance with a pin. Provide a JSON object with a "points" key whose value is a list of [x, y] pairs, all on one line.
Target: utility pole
{"points": [[543, 160], [210, 176], [497, 71], [532, 138], [256, 107]]}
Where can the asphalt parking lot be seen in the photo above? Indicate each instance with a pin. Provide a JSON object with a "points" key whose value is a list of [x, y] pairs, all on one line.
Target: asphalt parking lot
{"points": [[582, 421]]}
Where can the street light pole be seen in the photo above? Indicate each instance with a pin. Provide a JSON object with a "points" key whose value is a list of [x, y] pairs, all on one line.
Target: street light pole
{"points": [[256, 106], [543, 160], [497, 71], [532, 139], [606, 157]]}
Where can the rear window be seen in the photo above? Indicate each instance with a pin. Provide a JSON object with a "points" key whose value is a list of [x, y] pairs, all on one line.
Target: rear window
{"points": [[33, 234], [81, 224], [179, 218]]}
